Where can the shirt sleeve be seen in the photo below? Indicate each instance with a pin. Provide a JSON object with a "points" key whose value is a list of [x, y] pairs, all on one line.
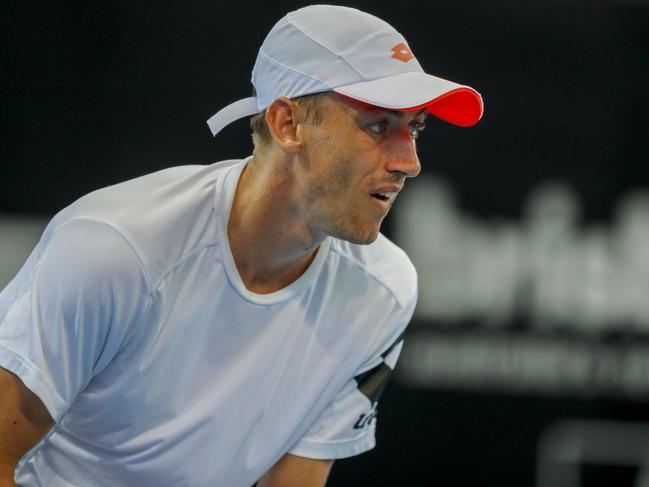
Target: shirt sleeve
{"points": [[67, 312], [347, 426]]}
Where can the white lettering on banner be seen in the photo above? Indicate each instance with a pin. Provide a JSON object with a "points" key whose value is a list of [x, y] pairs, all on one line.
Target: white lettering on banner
{"points": [[525, 364], [545, 305], [545, 268]]}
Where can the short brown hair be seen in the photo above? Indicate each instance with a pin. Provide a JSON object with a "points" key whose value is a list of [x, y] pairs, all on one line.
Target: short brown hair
{"points": [[312, 105]]}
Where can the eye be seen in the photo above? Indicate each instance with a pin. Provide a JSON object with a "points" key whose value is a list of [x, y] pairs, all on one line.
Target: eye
{"points": [[416, 128], [378, 127]]}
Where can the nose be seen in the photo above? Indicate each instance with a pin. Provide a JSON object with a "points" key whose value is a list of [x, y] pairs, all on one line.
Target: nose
{"points": [[402, 156]]}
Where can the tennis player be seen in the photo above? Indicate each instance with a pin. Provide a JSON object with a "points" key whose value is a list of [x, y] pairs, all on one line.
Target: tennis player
{"points": [[234, 323]]}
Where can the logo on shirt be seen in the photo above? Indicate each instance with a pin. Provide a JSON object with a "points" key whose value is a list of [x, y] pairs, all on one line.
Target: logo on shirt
{"points": [[364, 420], [402, 52]]}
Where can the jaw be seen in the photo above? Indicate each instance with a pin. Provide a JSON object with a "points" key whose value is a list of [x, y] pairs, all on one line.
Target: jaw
{"points": [[353, 229]]}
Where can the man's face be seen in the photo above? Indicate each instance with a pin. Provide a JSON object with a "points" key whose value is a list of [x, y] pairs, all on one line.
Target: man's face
{"points": [[357, 160]]}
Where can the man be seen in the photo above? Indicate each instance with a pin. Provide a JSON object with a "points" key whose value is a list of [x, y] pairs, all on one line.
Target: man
{"points": [[234, 323]]}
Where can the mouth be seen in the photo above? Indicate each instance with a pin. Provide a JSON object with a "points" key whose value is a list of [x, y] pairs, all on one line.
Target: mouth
{"points": [[385, 197]]}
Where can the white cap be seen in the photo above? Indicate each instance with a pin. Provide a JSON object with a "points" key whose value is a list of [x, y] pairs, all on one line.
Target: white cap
{"points": [[327, 47]]}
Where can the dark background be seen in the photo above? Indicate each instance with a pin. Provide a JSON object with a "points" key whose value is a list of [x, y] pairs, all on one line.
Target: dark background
{"points": [[98, 92]]}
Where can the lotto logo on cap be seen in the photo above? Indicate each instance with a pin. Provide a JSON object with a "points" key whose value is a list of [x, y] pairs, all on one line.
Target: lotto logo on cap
{"points": [[402, 52]]}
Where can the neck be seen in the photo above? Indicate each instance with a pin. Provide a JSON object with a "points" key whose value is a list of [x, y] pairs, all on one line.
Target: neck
{"points": [[271, 244]]}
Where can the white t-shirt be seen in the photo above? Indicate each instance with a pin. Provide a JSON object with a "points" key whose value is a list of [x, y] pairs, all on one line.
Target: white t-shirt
{"points": [[160, 368]]}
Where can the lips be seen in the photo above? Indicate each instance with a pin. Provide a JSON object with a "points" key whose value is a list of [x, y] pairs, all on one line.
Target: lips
{"points": [[386, 194]]}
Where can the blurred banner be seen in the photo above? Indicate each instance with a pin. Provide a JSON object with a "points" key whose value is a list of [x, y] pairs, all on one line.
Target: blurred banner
{"points": [[543, 305], [527, 362]]}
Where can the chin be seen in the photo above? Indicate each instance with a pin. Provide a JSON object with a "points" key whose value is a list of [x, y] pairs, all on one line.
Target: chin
{"points": [[359, 238]]}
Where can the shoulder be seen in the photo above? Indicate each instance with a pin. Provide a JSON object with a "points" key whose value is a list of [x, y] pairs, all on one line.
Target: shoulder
{"points": [[88, 254], [161, 190], [163, 216], [385, 263]]}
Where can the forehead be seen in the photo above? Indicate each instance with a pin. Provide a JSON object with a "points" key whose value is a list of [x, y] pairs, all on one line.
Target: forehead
{"points": [[359, 108]]}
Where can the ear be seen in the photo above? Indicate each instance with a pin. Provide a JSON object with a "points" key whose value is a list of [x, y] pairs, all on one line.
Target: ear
{"points": [[284, 118]]}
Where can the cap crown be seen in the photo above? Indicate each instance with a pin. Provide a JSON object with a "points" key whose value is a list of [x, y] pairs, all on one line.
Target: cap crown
{"points": [[322, 47]]}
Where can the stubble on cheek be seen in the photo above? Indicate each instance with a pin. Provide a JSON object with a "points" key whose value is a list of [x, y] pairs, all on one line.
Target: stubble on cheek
{"points": [[337, 193], [338, 198], [332, 188]]}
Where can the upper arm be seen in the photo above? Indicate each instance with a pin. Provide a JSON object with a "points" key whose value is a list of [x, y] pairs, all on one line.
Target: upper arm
{"points": [[24, 420], [68, 311], [295, 471]]}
